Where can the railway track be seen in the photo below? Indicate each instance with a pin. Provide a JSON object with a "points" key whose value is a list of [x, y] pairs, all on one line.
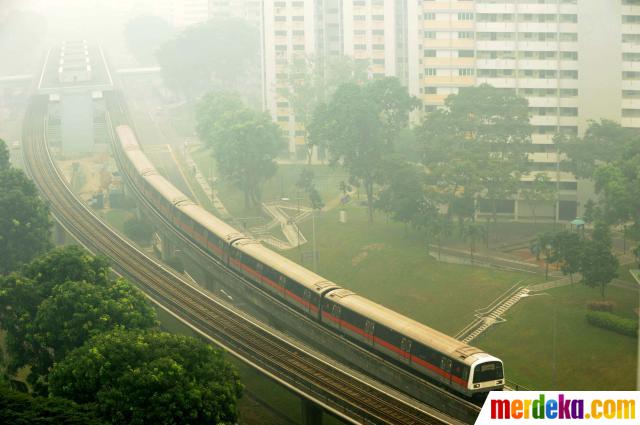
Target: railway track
{"points": [[344, 395]]}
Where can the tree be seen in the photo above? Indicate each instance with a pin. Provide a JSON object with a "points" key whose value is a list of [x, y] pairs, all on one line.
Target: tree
{"points": [[46, 314], [22, 33], [475, 147], [144, 35], [540, 189], [4, 156], [358, 127], [599, 266], [25, 227], [306, 183], [226, 51], [473, 232], [404, 194], [568, 246], [140, 377], [21, 409], [314, 79], [603, 143], [544, 246], [244, 143]]}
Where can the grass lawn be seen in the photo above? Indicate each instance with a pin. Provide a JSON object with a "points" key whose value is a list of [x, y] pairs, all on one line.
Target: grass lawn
{"points": [[587, 358], [390, 265], [281, 185]]}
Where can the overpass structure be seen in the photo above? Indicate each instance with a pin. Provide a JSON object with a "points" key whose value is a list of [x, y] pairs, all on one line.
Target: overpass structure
{"points": [[324, 383]]}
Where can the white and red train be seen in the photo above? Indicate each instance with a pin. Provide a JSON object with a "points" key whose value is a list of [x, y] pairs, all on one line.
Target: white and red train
{"points": [[425, 351]]}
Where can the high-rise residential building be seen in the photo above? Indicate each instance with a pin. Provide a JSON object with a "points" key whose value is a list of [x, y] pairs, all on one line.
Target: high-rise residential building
{"points": [[574, 61], [289, 33]]}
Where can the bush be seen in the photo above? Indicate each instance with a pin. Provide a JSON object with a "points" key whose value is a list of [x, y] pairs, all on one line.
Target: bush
{"points": [[138, 230], [606, 306], [613, 323]]}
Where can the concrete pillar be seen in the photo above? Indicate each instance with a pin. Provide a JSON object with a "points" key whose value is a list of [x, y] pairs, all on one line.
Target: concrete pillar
{"points": [[167, 246], [311, 413]]}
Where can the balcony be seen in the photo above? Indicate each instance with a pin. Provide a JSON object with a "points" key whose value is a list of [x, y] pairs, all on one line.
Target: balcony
{"points": [[495, 27], [543, 102], [500, 82], [496, 63], [544, 120]]}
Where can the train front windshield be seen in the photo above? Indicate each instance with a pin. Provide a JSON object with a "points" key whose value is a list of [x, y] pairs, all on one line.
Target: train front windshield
{"points": [[489, 371]]}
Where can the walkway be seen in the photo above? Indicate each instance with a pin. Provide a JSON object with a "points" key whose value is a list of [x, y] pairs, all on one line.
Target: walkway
{"points": [[204, 184]]}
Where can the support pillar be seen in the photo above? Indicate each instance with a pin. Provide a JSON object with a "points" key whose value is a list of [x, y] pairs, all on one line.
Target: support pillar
{"points": [[59, 235], [311, 413]]}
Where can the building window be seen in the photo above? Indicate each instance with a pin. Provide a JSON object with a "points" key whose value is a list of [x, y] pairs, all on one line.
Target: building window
{"points": [[429, 53], [429, 34], [430, 71], [465, 34], [429, 16], [465, 72], [465, 53], [465, 16]]}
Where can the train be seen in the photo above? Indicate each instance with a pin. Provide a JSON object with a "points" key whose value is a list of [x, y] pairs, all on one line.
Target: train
{"points": [[418, 348]]}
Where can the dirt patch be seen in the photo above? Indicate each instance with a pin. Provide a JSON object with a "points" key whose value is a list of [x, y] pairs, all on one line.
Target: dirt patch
{"points": [[362, 255]]}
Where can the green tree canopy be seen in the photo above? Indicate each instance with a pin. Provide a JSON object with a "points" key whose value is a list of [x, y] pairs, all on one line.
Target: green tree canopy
{"points": [[21, 409], [25, 227], [568, 246], [475, 147], [359, 126], [140, 377], [4, 156], [226, 51], [145, 34], [603, 143], [245, 143], [46, 314]]}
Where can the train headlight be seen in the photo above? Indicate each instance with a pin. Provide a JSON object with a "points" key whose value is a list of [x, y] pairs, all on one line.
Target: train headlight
{"points": [[476, 385], [499, 382]]}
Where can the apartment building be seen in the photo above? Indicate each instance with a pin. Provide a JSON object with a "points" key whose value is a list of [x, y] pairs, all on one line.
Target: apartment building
{"points": [[372, 31], [574, 60]]}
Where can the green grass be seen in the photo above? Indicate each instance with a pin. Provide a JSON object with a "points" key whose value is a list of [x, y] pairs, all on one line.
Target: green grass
{"points": [[395, 270], [389, 264], [587, 358], [281, 185], [624, 272]]}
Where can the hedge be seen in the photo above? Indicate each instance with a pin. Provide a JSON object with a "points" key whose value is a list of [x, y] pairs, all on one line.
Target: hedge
{"points": [[613, 323]]}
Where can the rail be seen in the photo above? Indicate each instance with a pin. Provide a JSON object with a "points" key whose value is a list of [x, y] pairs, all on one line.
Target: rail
{"points": [[334, 390]]}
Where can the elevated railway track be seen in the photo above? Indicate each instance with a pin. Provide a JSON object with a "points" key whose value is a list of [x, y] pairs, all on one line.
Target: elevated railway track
{"points": [[336, 391]]}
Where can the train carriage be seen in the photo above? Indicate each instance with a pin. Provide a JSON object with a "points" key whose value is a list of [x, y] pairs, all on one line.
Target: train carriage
{"points": [[287, 280], [466, 369], [427, 352]]}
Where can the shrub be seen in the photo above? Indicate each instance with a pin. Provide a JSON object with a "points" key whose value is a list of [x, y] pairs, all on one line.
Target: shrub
{"points": [[606, 306], [613, 323]]}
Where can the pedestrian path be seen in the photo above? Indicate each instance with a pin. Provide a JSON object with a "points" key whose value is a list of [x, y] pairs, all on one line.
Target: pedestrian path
{"points": [[204, 184], [492, 314]]}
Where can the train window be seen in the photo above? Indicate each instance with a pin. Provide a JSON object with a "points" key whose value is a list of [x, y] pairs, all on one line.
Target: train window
{"points": [[259, 267], [405, 345], [445, 364], [336, 311], [369, 327], [307, 294]]}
